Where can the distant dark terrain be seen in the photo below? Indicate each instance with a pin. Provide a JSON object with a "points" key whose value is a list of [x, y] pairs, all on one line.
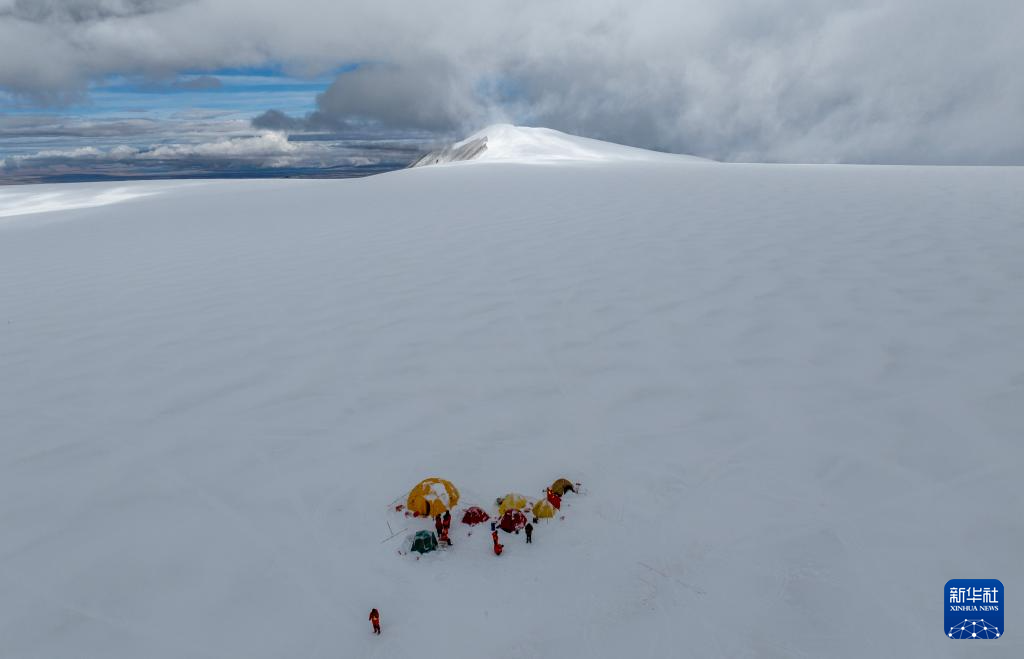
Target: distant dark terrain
{"points": [[73, 160], [135, 172]]}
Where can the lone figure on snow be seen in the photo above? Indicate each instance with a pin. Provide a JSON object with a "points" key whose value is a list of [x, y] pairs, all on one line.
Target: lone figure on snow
{"points": [[497, 545], [529, 533], [375, 619]]}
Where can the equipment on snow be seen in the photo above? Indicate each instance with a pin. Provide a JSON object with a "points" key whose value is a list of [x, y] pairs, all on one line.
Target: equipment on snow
{"points": [[423, 542], [512, 521], [511, 501], [475, 515], [432, 496], [561, 486], [543, 510]]}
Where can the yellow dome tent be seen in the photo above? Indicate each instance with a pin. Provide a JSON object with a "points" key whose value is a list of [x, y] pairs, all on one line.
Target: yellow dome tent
{"points": [[432, 496], [561, 486], [543, 509], [512, 500]]}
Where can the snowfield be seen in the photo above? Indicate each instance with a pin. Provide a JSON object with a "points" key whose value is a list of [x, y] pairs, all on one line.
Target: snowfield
{"points": [[525, 145], [794, 396]]}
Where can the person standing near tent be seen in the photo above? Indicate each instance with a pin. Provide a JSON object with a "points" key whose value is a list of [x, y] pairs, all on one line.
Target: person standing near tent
{"points": [[446, 523], [375, 619], [438, 525], [497, 545], [529, 533]]}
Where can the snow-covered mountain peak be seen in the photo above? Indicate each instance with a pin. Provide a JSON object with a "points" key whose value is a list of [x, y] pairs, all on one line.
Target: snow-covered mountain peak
{"points": [[508, 143]]}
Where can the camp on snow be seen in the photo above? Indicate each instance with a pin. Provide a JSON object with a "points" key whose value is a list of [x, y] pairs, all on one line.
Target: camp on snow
{"points": [[513, 520], [543, 509], [432, 496], [423, 542], [561, 486], [475, 515], [511, 501]]}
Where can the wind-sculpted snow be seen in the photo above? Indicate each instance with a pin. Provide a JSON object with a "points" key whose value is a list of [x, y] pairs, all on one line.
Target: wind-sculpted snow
{"points": [[792, 396], [468, 150], [18, 202]]}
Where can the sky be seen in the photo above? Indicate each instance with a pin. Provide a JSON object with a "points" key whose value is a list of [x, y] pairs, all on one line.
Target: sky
{"points": [[122, 85]]}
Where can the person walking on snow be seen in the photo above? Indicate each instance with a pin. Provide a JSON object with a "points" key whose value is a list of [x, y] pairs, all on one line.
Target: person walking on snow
{"points": [[529, 533], [447, 519], [444, 536], [438, 525], [497, 545], [375, 619]]}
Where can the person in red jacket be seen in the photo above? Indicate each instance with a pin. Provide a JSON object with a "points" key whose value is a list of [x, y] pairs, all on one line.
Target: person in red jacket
{"points": [[375, 619], [438, 525], [446, 520], [444, 536]]}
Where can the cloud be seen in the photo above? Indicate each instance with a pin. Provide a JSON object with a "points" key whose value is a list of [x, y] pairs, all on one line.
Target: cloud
{"points": [[791, 80], [81, 11], [424, 96], [199, 83], [277, 120], [266, 149], [56, 126]]}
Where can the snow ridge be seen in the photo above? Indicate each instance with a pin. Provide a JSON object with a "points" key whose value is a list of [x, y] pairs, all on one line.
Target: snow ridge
{"points": [[508, 143]]}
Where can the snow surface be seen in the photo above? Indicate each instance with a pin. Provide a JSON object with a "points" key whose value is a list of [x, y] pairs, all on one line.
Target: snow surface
{"points": [[27, 200], [521, 144], [793, 396]]}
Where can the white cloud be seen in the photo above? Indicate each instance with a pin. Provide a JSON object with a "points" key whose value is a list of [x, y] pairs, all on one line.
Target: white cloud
{"points": [[266, 148], [259, 147], [867, 80]]}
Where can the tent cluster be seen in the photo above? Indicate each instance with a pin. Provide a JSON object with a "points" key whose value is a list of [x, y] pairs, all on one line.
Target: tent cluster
{"points": [[437, 496]]}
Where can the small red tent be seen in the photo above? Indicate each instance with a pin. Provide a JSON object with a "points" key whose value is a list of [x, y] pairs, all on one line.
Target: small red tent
{"points": [[475, 515], [512, 520]]}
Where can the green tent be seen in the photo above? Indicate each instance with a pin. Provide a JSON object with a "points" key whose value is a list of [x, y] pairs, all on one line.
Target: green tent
{"points": [[424, 541]]}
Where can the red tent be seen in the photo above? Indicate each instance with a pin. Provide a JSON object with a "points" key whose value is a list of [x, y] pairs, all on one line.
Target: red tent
{"points": [[512, 520], [475, 515]]}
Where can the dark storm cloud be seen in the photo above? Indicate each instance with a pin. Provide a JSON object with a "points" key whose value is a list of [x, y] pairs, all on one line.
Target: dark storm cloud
{"points": [[426, 96], [277, 120], [788, 80], [82, 11]]}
